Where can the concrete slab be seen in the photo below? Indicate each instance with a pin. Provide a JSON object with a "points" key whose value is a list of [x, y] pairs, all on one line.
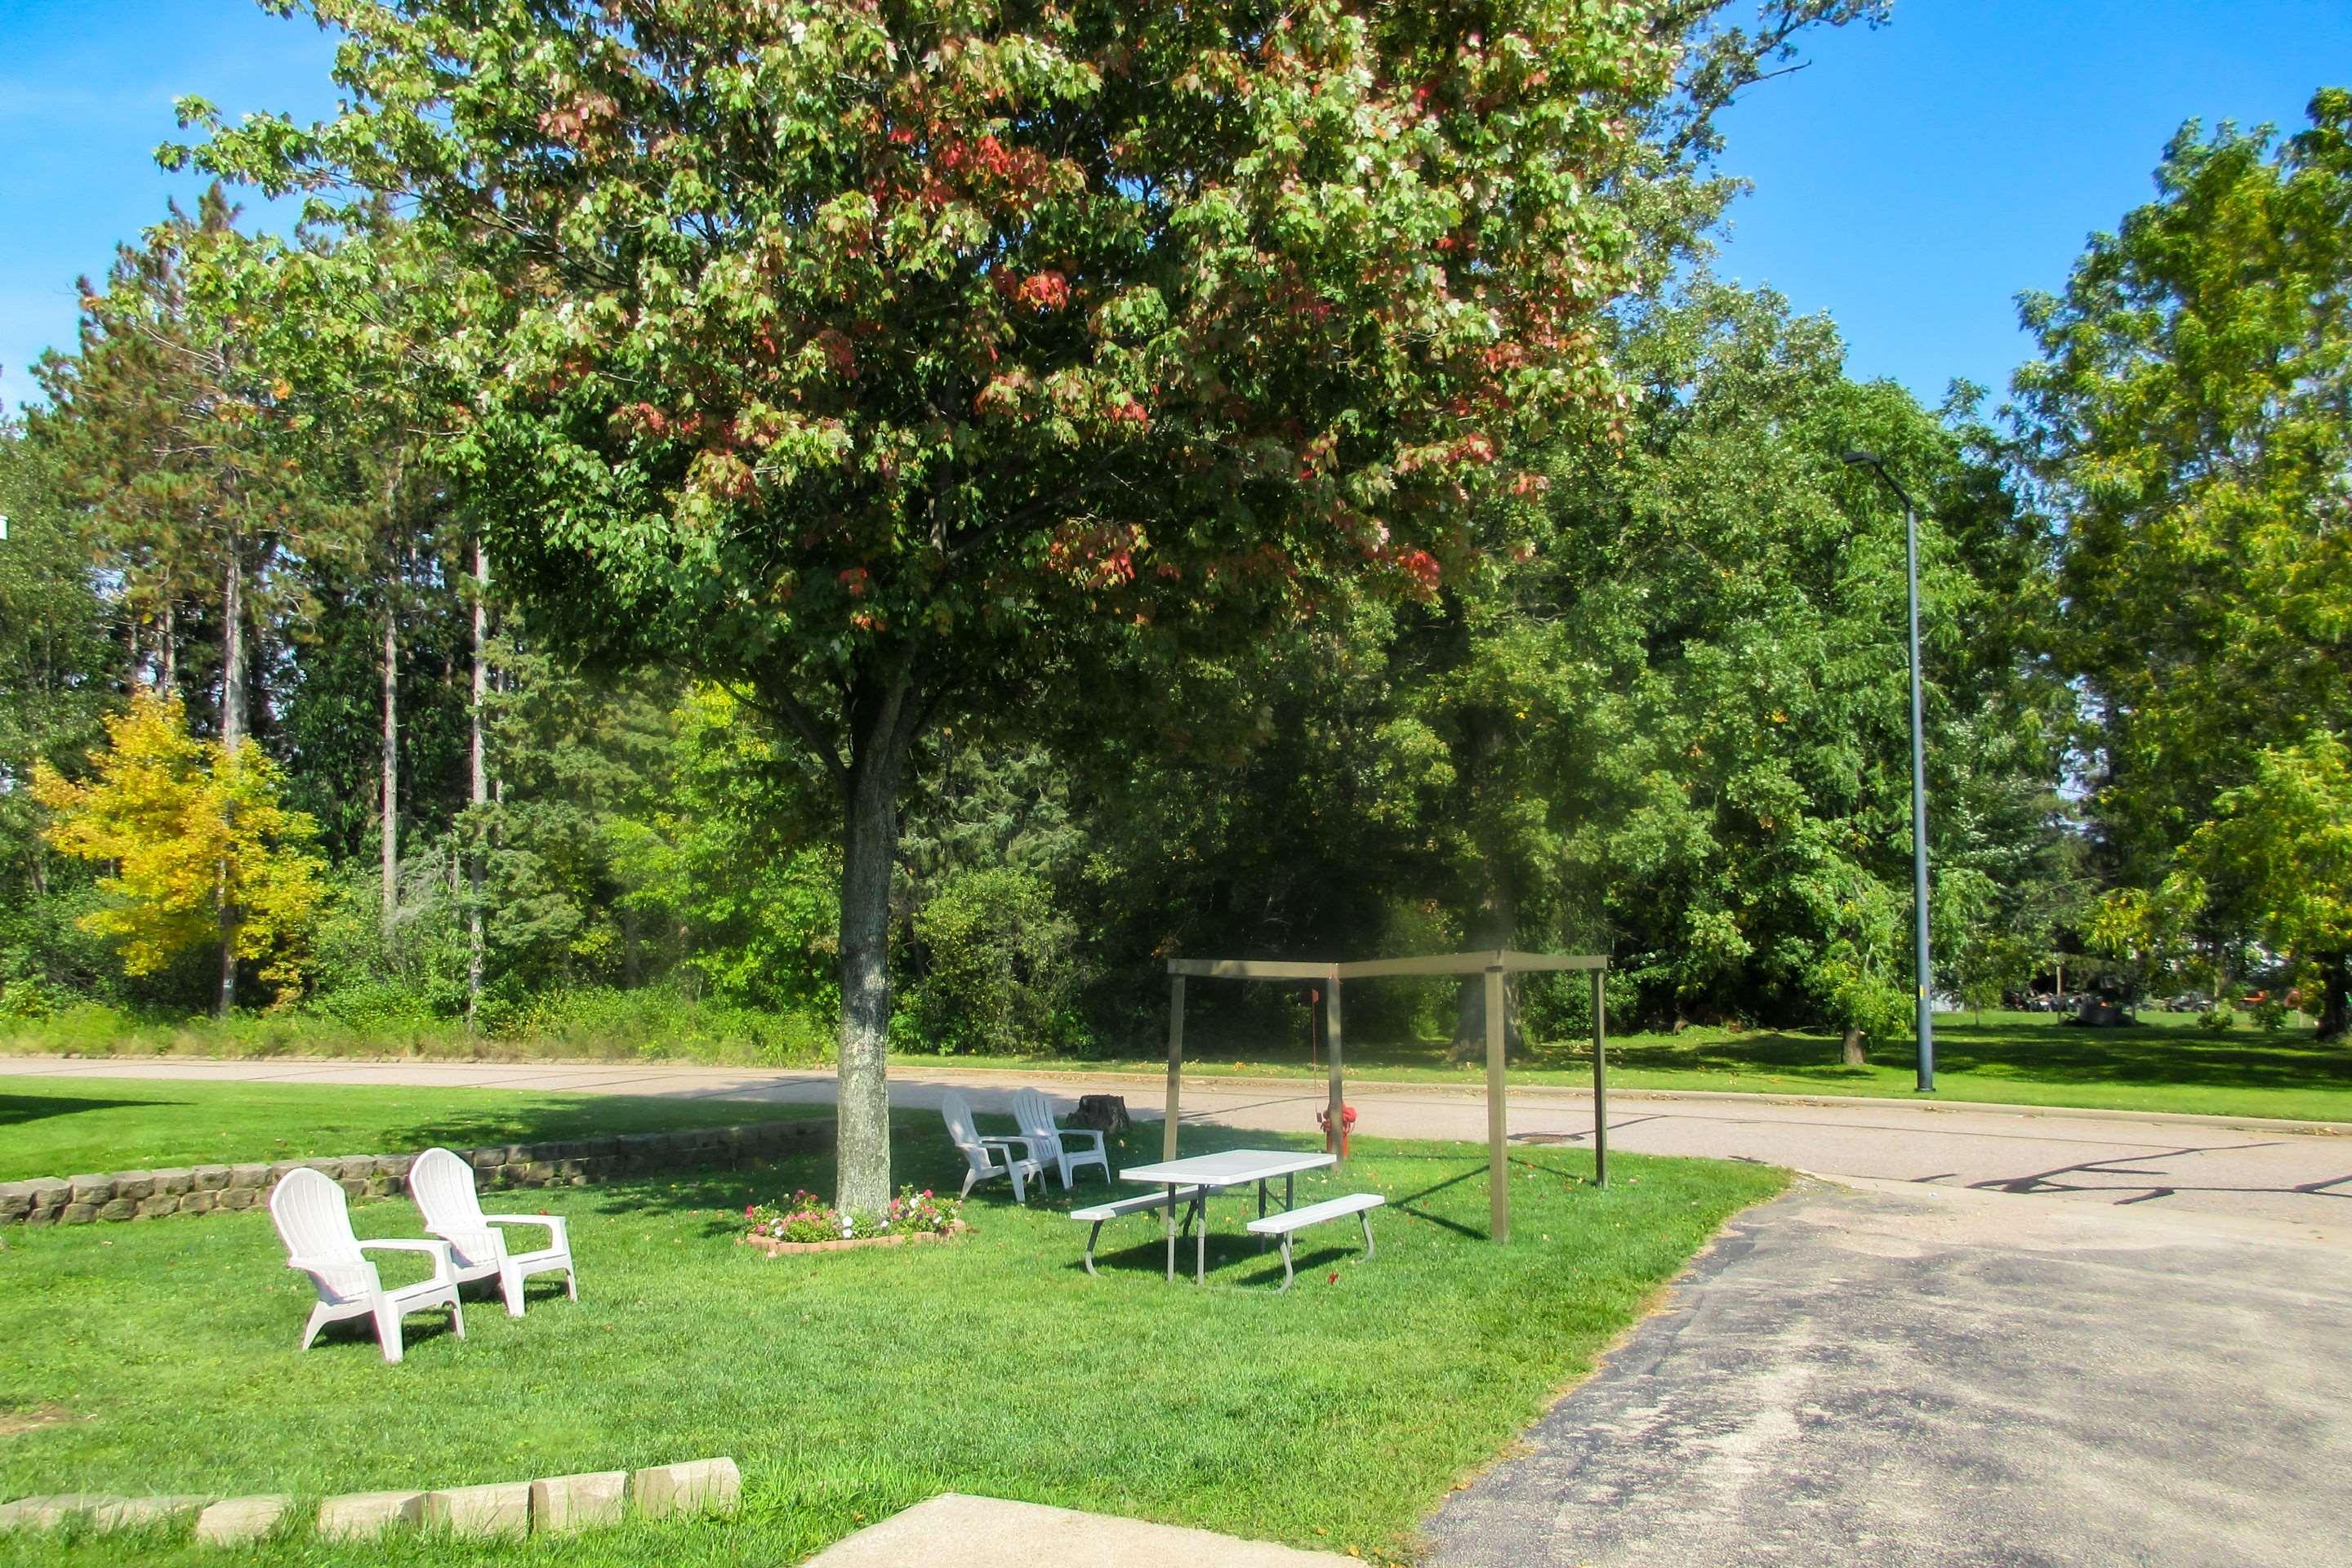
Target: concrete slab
{"points": [[560, 1504], [501, 1508], [1915, 1377], [241, 1520], [141, 1512], [695, 1486], [953, 1527], [357, 1515]]}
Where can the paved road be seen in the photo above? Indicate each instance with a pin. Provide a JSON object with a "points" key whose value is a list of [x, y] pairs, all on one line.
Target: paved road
{"points": [[1911, 1377], [2173, 1164]]}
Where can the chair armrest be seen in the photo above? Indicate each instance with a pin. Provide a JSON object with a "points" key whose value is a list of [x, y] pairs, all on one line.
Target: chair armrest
{"points": [[1092, 1134], [557, 1234], [445, 1256]]}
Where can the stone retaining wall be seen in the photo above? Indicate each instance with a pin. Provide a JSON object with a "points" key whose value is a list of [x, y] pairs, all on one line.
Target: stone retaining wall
{"points": [[201, 1189]]}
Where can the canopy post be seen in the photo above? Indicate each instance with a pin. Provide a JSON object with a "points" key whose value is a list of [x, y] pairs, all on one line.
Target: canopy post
{"points": [[1599, 1078], [1499, 1129], [1337, 1106], [1175, 1064]]}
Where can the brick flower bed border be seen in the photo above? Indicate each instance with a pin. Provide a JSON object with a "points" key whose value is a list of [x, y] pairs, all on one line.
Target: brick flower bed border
{"points": [[576, 1162], [775, 1247]]}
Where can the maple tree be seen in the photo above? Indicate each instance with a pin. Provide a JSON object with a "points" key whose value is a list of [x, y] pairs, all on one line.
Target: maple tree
{"points": [[871, 358], [203, 851]]}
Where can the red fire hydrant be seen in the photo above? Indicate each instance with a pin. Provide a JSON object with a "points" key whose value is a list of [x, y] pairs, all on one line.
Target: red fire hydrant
{"points": [[1346, 1124]]}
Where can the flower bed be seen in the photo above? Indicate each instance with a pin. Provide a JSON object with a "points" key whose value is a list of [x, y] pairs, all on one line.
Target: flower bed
{"points": [[807, 1223]]}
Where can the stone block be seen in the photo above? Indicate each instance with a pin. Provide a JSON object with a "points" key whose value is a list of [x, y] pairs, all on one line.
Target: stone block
{"points": [[281, 1169], [485, 1158], [241, 1520], [121, 1208], [44, 1217], [161, 1204], [51, 1511], [134, 1185], [508, 1175], [143, 1513], [175, 1179], [207, 1178], [356, 1168], [353, 1189], [560, 1504], [49, 1193], [200, 1203], [394, 1165], [697, 1486], [16, 1199], [503, 1508], [77, 1214], [357, 1515], [91, 1189], [239, 1197], [255, 1176]]}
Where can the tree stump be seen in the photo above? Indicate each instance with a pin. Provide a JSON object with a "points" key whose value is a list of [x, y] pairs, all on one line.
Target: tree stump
{"points": [[1103, 1112]]}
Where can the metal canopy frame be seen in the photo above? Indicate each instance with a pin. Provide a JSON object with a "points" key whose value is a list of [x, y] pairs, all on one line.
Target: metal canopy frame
{"points": [[1495, 965]]}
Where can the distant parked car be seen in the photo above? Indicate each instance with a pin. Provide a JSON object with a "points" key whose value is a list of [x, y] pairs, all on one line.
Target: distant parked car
{"points": [[2189, 1002]]}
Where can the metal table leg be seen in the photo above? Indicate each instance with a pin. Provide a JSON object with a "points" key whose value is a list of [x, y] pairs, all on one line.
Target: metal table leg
{"points": [[1171, 1213], [1260, 1210]]}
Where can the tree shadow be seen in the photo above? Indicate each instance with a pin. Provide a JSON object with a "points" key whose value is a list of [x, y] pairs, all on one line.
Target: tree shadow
{"points": [[18, 1108]]}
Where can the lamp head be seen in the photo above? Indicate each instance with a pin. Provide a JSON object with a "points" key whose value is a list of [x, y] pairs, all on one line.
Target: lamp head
{"points": [[1861, 459]]}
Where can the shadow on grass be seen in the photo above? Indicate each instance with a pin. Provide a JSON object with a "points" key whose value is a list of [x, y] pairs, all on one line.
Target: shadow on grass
{"points": [[18, 1108]]}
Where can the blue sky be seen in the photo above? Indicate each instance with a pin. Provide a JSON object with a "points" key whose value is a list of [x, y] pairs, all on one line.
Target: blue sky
{"points": [[1910, 181]]}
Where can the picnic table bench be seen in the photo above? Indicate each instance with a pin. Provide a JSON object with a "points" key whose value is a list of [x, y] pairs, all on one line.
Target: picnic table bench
{"points": [[1289, 1221], [1099, 1213]]}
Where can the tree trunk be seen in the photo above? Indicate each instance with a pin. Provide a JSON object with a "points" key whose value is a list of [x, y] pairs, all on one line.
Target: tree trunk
{"points": [[169, 648], [388, 789], [2334, 1004], [232, 736], [1855, 1057], [477, 788], [232, 695], [882, 714]]}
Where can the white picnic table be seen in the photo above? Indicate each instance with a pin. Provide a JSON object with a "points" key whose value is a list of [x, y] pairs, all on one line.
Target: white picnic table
{"points": [[1215, 1174]]}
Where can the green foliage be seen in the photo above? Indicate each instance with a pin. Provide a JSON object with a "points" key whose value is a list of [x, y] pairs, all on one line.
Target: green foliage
{"points": [[997, 968], [2186, 421], [733, 856]]}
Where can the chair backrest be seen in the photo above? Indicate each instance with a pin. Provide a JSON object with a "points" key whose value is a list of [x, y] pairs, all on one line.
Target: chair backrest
{"points": [[443, 1187], [313, 1220], [962, 1130], [1035, 1114]]}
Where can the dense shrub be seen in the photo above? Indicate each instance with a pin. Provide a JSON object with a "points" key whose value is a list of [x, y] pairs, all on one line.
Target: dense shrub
{"points": [[998, 971]]}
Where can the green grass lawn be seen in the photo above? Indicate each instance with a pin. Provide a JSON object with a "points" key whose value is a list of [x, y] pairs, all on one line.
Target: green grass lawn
{"points": [[2164, 1063], [159, 1357], [67, 1126]]}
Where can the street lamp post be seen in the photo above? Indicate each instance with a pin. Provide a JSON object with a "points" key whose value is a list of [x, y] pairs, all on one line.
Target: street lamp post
{"points": [[1926, 972]]}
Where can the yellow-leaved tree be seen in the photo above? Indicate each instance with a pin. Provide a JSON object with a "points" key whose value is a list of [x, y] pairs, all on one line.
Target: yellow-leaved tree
{"points": [[203, 853]]}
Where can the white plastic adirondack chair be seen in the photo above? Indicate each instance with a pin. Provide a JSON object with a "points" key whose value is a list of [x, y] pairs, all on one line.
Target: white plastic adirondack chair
{"points": [[316, 1225], [1035, 1114], [443, 1187], [991, 1155]]}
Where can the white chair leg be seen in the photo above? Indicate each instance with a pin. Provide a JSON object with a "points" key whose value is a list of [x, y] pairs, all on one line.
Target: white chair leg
{"points": [[387, 1329], [1020, 1188], [510, 1287], [456, 1315], [570, 1280], [969, 1176], [318, 1320]]}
